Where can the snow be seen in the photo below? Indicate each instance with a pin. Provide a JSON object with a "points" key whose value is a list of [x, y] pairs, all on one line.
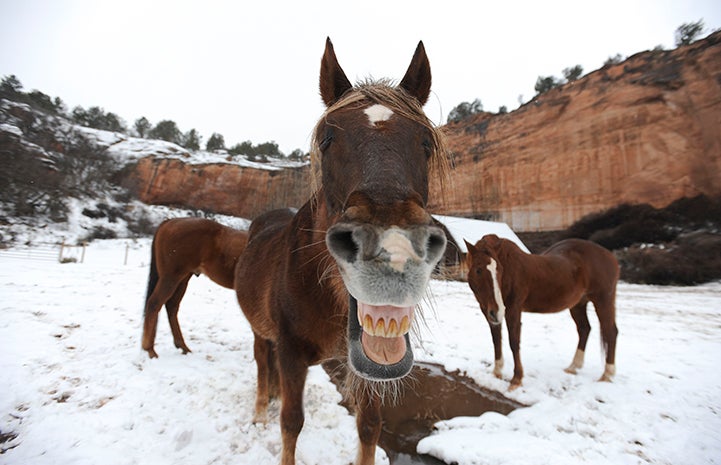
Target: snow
{"points": [[473, 230], [125, 149], [77, 389]]}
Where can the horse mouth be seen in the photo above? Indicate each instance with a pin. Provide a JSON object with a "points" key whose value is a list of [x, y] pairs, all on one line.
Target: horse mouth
{"points": [[379, 346]]}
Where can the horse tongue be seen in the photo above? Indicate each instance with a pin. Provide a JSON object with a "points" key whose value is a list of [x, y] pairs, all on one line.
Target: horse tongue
{"points": [[383, 350]]}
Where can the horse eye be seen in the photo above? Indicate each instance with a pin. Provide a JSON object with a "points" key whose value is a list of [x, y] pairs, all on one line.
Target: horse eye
{"points": [[428, 148], [325, 143]]}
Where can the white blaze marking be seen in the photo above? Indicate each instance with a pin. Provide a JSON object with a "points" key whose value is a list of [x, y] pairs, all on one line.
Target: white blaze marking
{"points": [[377, 113], [497, 290], [399, 248]]}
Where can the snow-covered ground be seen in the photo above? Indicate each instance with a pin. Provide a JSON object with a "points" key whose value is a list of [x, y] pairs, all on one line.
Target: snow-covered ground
{"points": [[76, 388]]}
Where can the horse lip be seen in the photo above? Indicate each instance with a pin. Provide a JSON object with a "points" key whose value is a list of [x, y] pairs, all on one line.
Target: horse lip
{"points": [[359, 361]]}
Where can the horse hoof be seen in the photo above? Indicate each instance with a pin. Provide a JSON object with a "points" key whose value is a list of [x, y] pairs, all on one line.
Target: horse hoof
{"points": [[571, 370], [152, 353], [514, 386], [605, 379]]}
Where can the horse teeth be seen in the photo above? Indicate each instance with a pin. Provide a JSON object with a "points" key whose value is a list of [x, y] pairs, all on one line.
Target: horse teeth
{"points": [[368, 325], [393, 328], [405, 325], [380, 328]]}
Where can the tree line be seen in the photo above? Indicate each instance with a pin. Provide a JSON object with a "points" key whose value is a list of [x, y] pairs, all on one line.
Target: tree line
{"points": [[97, 118]]}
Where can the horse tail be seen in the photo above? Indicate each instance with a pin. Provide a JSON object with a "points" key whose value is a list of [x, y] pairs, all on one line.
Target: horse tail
{"points": [[152, 275]]}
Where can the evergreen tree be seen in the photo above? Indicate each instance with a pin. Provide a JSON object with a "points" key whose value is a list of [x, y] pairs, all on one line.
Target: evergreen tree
{"points": [[546, 83], [191, 140], [142, 126], [216, 142], [463, 110], [10, 85], [268, 148], [243, 148], [688, 33], [166, 130], [572, 74]]}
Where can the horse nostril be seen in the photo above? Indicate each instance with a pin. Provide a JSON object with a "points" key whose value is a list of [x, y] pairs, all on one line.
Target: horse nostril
{"points": [[341, 243], [436, 245]]}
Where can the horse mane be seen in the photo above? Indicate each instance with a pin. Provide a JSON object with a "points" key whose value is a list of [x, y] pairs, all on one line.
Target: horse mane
{"points": [[399, 101]]}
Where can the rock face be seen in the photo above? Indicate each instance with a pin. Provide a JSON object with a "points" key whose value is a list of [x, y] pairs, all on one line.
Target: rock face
{"points": [[221, 188], [647, 130]]}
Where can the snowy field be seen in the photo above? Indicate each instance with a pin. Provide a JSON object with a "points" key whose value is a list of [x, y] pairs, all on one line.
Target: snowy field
{"points": [[76, 389]]}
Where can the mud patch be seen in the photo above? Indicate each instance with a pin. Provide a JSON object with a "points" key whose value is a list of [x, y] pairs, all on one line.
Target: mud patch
{"points": [[432, 396]]}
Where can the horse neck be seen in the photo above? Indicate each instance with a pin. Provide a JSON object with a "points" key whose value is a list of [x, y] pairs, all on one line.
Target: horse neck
{"points": [[309, 253]]}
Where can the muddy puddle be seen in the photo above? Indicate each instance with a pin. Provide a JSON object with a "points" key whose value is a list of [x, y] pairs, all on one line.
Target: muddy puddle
{"points": [[433, 395]]}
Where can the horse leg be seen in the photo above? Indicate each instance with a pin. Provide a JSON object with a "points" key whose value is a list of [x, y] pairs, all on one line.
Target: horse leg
{"points": [[160, 295], [580, 317], [513, 321], [369, 423], [293, 373], [496, 335], [606, 312], [273, 376], [262, 353], [172, 306]]}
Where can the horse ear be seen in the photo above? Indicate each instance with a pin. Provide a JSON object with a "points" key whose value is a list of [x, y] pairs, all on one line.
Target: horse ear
{"points": [[417, 81], [469, 246], [333, 81]]}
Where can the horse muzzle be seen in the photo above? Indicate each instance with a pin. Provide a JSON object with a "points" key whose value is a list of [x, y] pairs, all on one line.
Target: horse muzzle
{"points": [[386, 273]]}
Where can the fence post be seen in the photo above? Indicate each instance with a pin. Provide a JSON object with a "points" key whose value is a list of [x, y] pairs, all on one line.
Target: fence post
{"points": [[127, 246], [82, 256], [60, 256]]}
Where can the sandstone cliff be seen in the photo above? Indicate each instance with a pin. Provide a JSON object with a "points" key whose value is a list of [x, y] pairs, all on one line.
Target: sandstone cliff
{"points": [[222, 188], [647, 130]]}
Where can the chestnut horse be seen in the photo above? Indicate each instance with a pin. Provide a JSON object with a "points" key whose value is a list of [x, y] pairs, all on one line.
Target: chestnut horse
{"points": [[183, 247], [569, 274], [341, 278]]}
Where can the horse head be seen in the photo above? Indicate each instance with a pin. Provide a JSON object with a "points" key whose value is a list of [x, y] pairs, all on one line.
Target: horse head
{"points": [[485, 275], [373, 150]]}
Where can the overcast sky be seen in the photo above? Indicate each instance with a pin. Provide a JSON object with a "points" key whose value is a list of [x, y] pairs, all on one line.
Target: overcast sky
{"points": [[249, 69]]}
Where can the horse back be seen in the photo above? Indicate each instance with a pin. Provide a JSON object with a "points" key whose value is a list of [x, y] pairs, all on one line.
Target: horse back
{"points": [[595, 265], [185, 246]]}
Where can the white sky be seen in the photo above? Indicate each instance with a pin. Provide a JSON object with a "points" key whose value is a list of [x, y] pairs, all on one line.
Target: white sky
{"points": [[249, 70]]}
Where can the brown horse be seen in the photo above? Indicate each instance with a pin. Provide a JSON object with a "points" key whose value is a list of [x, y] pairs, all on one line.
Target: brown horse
{"points": [[181, 248], [569, 274], [341, 278]]}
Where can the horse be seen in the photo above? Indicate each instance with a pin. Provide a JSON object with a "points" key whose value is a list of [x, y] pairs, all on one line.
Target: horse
{"points": [[341, 278], [505, 280], [183, 247]]}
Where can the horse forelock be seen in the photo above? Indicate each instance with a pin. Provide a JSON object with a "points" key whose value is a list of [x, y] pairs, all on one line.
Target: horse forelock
{"points": [[383, 92]]}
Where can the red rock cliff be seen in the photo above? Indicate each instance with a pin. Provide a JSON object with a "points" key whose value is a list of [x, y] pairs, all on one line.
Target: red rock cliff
{"points": [[221, 188], [647, 130]]}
